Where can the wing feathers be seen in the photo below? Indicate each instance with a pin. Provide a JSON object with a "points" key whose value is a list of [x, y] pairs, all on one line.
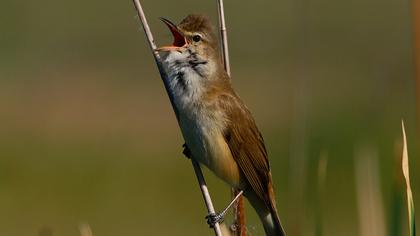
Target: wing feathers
{"points": [[246, 144]]}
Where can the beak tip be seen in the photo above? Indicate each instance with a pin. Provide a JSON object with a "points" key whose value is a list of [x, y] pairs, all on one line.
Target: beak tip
{"points": [[179, 38], [166, 21]]}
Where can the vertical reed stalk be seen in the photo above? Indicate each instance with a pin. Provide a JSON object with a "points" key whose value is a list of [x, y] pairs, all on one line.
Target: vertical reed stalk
{"points": [[239, 208], [223, 36]]}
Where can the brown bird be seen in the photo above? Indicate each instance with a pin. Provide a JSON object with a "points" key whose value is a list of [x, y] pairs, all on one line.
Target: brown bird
{"points": [[218, 128]]}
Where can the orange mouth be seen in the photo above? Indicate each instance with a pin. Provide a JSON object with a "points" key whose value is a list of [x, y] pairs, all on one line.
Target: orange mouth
{"points": [[179, 39]]}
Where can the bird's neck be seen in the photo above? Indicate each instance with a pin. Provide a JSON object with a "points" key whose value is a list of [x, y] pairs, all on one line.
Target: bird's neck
{"points": [[192, 79]]}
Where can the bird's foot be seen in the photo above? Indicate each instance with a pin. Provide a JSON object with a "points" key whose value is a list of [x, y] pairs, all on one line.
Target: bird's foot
{"points": [[214, 218], [186, 151]]}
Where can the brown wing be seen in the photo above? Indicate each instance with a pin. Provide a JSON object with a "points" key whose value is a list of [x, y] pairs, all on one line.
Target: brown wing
{"points": [[246, 144]]}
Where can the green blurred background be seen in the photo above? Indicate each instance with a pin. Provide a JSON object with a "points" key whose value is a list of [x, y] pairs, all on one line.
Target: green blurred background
{"points": [[87, 134]]}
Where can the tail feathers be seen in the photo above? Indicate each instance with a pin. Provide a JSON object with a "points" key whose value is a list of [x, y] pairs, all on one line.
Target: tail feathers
{"points": [[278, 228], [272, 224], [267, 214]]}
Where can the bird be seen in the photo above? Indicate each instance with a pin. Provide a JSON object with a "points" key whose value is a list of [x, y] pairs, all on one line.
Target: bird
{"points": [[218, 128]]}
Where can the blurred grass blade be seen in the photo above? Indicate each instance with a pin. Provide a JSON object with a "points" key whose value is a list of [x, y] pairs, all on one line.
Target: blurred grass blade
{"points": [[322, 175], [85, 230], [405, 168], [370, 207]]}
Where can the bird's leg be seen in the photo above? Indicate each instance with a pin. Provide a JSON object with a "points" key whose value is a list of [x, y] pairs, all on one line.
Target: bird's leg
{"points": [[186, 151], [214, 218]]}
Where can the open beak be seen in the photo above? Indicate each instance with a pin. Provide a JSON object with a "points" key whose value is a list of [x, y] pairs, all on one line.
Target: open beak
{"points": [[179, 39]]}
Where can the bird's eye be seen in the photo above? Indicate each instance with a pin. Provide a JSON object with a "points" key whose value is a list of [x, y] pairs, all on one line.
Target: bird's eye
{"points": [[196, 38]]}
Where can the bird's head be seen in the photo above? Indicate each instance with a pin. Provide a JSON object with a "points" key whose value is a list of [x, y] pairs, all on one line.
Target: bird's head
{"points": [[194, 41]]}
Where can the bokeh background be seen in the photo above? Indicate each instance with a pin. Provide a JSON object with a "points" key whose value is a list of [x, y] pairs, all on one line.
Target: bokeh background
{"points": [[88, 137]]}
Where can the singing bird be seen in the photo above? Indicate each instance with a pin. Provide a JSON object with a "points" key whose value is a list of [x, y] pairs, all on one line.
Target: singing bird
{"points": [[218, 128]]}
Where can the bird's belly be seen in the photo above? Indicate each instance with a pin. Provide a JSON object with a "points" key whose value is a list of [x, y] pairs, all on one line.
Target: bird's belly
{"points": [[208, 146]]}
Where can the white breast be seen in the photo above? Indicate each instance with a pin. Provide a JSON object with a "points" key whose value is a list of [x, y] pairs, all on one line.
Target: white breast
{"points": [[202, 128]]}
